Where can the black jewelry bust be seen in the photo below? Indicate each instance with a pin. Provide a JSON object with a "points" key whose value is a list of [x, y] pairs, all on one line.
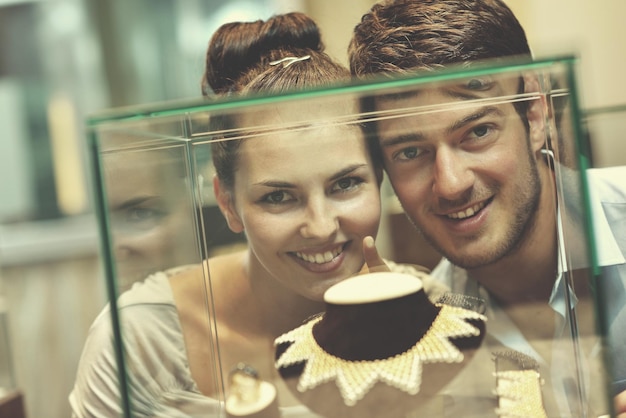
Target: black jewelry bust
{"points": [[379, 337]]}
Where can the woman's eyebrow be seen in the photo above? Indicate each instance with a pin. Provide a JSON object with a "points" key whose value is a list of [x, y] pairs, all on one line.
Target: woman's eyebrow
{"points": [[136, 201], [275, 184], [286, 185], [347, 170]]}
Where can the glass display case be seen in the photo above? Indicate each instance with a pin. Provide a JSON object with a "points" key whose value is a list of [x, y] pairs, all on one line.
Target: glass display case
{"points": [[7, 375], [215, 276], [604, 129], [11, 402], [605, 126]]}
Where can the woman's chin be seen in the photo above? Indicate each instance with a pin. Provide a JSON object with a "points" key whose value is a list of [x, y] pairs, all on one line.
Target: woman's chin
{"points": [[317, 292]]}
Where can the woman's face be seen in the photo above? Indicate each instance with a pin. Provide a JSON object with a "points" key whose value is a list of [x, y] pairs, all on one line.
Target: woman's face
{"points": [[306, 199], [150, 215]]}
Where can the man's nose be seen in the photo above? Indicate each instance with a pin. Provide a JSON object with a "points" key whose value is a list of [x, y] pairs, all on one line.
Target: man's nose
{"points": [[452, 177]]}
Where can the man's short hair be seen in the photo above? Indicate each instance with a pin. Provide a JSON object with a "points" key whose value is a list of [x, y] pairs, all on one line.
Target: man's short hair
{"points": [[398, 36]]}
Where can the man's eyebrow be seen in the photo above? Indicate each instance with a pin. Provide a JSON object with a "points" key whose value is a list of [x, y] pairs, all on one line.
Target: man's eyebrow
{"points": [[479, 114], [401, 139], [417, 137]]}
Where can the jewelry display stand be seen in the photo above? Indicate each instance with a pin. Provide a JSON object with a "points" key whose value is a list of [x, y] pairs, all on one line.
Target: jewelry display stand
{"points": [[249, 396], [379, 338]]}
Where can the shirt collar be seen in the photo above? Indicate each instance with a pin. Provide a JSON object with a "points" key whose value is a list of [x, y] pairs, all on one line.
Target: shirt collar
{"points": [[608, 252]]}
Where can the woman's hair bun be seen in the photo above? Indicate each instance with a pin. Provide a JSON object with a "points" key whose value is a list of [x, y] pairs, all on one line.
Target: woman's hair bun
{"points": [[237, 47]]}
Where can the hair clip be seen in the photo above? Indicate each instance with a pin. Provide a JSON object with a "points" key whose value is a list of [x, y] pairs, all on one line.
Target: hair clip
{"points": [[287, 61]]}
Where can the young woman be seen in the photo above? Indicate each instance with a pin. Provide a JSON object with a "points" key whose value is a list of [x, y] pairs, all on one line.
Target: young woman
{"points": [[306, 199]]}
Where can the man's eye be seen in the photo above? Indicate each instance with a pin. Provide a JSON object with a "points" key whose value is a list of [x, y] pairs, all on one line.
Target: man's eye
{"points": [[481, 131], [409, 153], [479, 84]]}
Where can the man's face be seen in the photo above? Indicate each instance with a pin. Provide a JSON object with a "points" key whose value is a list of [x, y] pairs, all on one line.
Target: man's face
{"points": [[464, 170]]}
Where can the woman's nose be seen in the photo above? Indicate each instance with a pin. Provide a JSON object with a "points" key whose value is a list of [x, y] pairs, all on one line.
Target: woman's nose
{"points": [[320, 221]]}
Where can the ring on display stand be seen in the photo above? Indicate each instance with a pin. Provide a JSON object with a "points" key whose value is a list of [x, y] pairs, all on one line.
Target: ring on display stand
{"points": [[249, 396]]}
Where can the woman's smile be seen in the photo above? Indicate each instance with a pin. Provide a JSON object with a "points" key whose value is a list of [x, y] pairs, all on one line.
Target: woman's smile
{"points": [[319, 257], [321, 260]]}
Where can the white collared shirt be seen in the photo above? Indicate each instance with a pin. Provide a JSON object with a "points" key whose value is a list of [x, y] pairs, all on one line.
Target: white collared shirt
{"points": [[603, 185]]}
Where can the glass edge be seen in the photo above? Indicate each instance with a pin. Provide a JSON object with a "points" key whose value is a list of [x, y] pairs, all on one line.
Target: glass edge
{"points": [[177, 108], [604, 110], [584, 162], [100, 207]]}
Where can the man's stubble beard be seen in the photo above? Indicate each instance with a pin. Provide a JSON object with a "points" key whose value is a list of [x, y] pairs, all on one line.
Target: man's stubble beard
{"points": [[524, 222]]}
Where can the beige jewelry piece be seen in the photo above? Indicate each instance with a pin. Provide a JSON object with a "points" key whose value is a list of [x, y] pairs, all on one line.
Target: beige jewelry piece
{"points": [[287, 61], [518, 385], [403, 371], [519, 394]]}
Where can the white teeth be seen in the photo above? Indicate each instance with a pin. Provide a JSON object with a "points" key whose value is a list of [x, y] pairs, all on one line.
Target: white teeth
{"points": [[320, 258], [467, 212]]}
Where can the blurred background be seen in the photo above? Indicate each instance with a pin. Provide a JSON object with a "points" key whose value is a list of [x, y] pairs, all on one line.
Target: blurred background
{"points": [[62, 60]]}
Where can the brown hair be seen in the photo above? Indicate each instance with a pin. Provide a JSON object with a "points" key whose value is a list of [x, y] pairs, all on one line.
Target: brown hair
{"points": [[397, 36], [239, 54], [238, 62], [402, 36]]}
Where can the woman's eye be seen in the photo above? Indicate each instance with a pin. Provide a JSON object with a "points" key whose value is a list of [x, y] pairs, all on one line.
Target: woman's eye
{"points": [[276, 197], [346, 184], [138, 218], [137, 215]]}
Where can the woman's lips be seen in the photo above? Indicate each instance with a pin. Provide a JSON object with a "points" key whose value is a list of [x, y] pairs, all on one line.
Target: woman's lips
{"points": [[320, 257], [321, 261]]}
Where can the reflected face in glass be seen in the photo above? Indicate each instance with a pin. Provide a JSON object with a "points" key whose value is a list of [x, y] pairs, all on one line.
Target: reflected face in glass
{"points": [[306, 198], [467, 175], [150, 217]]}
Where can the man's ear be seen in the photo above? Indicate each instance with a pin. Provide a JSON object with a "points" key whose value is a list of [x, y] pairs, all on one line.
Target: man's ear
{"points": [[227, 206], [536, 114]]}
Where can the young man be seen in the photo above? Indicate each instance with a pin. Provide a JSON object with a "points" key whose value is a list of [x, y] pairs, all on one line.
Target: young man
{"points": [[478, 183]]}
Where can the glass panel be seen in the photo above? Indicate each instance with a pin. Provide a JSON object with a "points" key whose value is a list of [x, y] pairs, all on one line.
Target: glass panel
{"points": [[7, 376], [607, 185], [484, 149], [605, 127]]}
